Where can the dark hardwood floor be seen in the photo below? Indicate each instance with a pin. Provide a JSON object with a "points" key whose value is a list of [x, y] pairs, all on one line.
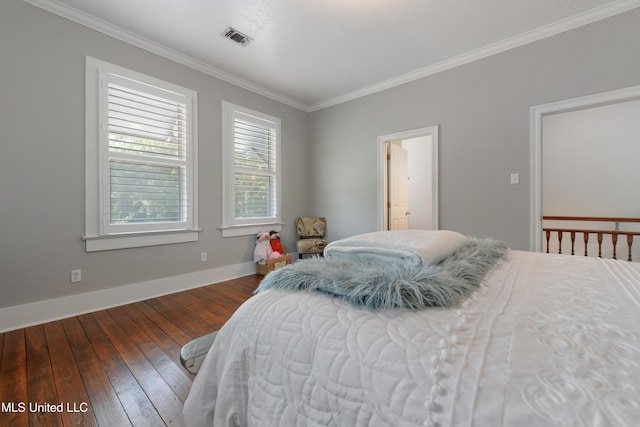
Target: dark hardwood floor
{"points": [[114, 367]]}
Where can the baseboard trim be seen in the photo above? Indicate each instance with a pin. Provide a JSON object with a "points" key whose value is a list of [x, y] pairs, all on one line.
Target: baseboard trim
{"points": [[35, 313]]}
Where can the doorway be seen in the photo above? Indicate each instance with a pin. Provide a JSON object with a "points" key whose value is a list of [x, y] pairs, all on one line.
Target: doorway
{"points": [[549, 114], [408, 192]]}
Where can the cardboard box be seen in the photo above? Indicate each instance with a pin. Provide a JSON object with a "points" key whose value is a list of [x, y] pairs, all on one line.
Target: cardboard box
{"points": [[264, 267]]}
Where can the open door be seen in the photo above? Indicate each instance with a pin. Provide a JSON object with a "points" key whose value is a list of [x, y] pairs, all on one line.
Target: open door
{"points": [[421, 192], [398, 188]]}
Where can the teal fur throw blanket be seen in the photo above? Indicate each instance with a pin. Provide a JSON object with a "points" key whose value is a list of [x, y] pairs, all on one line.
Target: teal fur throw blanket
{"points": [[377, 286]]}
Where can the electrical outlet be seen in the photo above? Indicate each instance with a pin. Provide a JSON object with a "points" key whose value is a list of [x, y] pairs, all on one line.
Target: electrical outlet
{"points": [[515, 178], [76, 276], [203, 256]]}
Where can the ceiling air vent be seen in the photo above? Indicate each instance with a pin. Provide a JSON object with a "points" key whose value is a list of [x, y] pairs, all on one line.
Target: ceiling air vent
{"points": [[237, 36]]}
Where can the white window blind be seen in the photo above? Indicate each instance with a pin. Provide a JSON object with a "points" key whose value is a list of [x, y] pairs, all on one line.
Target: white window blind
{"points": [[255, 167], [147, 141], [253, 171], [145, 155]]}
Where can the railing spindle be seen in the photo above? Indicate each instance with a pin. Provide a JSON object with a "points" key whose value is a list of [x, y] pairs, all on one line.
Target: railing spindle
{"points": [[548, 237], [586, 241], [559, 242], [629, 243], [614, 240], [573, 242], [599, 245]]}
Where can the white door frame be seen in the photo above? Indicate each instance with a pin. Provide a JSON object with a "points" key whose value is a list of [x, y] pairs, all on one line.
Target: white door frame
{"points": [[537, 114], [431, 131]]}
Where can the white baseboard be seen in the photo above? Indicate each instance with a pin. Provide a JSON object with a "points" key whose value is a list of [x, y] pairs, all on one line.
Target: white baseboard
{"points": [[35, 313]]}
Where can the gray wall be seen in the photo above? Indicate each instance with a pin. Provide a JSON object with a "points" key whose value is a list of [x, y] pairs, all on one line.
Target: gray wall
{"points": [[482, 109], [483, 112], [42, 162]]}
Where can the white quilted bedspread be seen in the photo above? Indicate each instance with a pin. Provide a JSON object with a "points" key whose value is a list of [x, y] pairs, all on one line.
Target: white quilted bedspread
{"points": [[551, 340]]}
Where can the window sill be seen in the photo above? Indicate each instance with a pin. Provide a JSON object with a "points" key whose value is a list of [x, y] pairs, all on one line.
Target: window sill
{"points": [[246, 230], [122, 241]]}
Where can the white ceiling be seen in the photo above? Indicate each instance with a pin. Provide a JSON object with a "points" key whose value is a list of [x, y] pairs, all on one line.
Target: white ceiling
{"points": [[315, 53]]}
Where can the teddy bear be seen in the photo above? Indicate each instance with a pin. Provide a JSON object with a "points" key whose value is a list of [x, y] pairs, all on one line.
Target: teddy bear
{"points": [[263, 247]]}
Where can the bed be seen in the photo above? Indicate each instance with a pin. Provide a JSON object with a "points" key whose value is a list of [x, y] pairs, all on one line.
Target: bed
{"points": [[543, 339]]}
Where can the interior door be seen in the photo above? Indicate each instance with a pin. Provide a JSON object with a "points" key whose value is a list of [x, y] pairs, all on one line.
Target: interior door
{"points": [[398, 188]]}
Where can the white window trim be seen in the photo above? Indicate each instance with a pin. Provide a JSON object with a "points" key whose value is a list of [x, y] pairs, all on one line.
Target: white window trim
{"points": [[95, 235], [230, 226]]}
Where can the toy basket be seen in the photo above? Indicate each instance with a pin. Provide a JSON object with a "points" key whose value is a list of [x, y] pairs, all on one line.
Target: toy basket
{"points": [[265, 266]]}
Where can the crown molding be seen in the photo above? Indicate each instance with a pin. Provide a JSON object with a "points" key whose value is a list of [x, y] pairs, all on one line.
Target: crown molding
{"points": [[588, 17], [540, 33], [134, 39]]}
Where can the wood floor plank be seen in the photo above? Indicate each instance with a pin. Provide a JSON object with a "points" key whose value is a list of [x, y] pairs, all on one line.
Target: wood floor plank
{"points": [[69, 386], [167, 326], [191, 324], [104, 401], [13, 378], [162, 362], [159, 338], [200, 310], [212, 300], [227, 298], [234, 294], [167, 404], [1, 349], [134, 400], [41, 388]]}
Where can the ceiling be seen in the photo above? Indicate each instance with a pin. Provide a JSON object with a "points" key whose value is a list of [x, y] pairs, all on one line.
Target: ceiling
{"points": [[311, 54]]}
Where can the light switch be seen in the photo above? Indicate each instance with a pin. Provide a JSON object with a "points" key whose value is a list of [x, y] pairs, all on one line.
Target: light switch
{"points": [[515, 178]]}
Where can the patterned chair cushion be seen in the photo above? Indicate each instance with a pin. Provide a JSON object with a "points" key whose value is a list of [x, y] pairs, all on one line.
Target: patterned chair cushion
{"points": [[311, 227], [311, 246]]}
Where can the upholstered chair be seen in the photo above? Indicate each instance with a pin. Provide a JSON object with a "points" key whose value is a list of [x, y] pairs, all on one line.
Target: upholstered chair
{"points": [[311, 231]]}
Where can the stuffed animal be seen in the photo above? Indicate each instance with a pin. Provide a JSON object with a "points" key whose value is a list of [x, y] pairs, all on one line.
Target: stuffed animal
{"points": [[276, 244], [263, 247]]}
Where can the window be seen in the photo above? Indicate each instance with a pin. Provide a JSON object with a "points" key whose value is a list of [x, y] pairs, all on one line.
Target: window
{"points": [[251, 171], [140, 163]]}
